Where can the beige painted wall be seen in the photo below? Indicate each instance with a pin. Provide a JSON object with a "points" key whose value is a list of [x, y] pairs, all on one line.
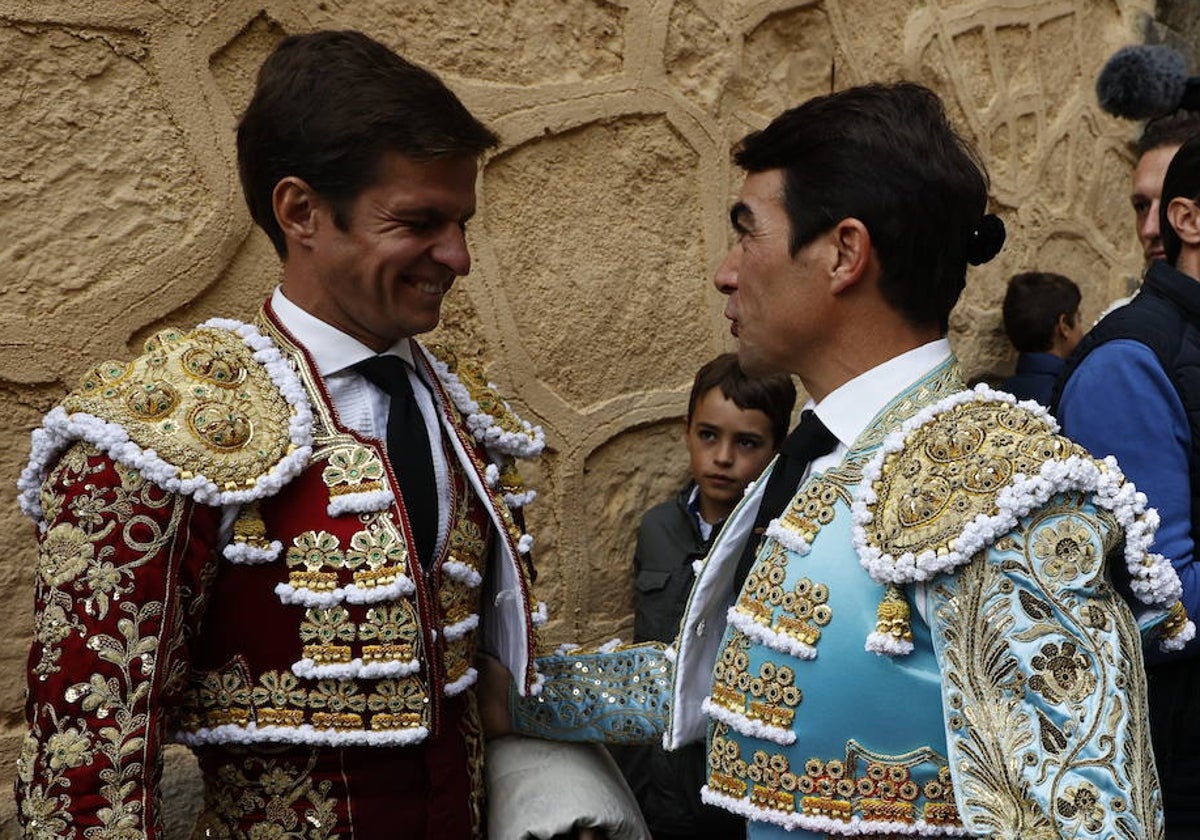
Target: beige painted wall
{"points": [[601, 218]]}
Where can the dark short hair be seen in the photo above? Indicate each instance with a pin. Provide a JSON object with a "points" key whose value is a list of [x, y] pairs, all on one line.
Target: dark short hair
{"points": [[888, 156], [328, 106], [1181, 181], [1032, 306], [1174, 129], [774, 395]]}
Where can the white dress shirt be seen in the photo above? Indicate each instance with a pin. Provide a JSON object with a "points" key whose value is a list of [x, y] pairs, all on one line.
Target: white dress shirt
{"points": [[360, 405], [847, 410]]}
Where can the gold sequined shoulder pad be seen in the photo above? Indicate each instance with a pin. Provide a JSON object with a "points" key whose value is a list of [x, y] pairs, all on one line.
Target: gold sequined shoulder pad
{"points": [[216, 413], [953, 478]]}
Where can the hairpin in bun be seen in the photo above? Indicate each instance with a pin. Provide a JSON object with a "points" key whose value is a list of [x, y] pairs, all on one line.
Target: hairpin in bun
{"points": [[985, 240]]}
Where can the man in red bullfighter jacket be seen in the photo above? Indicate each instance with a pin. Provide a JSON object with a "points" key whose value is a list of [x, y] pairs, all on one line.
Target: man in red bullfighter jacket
{"points": [[284, 542]]}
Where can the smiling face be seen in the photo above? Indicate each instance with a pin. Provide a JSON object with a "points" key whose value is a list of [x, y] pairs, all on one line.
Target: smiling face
{"points": [[776, 301], [1147, 190], [728, 447], [383, 278]]}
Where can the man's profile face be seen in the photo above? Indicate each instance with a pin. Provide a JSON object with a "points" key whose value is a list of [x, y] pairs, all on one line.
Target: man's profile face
{"points": [[384, 277], [775, 303], [1147, 190]]}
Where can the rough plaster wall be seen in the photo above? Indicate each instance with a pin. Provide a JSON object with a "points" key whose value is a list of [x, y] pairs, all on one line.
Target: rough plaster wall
{"points": [[602, 215]]}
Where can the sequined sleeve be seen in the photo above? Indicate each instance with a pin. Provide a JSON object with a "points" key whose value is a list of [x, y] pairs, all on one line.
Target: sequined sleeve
{"points": [[614, 696], [121, 574], [1043, 691]]}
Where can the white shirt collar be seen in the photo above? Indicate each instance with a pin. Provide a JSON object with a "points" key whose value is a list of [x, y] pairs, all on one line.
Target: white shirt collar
{"points": [[850, 408], [331, 349]]}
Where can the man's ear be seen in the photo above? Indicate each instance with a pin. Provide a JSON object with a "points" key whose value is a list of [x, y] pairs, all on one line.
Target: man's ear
{"points": [[1184, 217], [297, 207], [852, 242]]}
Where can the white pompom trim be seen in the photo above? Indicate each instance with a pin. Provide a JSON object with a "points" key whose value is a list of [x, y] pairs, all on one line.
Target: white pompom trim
{"points": [[371, 501], [787, 538], [60, 429], [1179, 640], [767, 637], [306, 734], [520, 500], [746, 726], [402, 586], [887, 645], [525, 544], [526, 444], [354, 669], [461, 572], [453, 632], [462, 683], [244, 553], [540, 614], [855, 826]]}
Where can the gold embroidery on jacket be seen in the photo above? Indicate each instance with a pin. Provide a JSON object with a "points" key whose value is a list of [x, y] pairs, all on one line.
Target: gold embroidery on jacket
{"points": [[770, 696], [76, 572], [986, 679], [279, 796], [862, 785], [199, 400]]}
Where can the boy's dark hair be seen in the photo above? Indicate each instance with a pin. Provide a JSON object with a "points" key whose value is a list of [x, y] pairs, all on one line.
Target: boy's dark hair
{"points": [[1032, 305], [1174, 129], [774, 395], [888, 156], [328, 106], [1182, 180]]}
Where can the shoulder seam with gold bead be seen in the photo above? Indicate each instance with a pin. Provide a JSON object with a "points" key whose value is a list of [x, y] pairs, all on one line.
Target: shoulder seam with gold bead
{"points": [[217, 414], [999, 494], [488, 415]]}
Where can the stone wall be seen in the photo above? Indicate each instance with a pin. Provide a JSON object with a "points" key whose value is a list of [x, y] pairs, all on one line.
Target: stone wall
{"points": [[602, 216]]}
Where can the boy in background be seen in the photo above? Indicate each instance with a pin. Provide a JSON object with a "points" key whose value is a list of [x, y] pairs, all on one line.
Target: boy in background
{"points": [[735, 425], [1041, 318]]}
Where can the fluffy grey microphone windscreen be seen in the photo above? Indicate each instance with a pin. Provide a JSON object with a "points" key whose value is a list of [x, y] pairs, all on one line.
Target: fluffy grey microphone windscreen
{"points": [[1141, 82]]}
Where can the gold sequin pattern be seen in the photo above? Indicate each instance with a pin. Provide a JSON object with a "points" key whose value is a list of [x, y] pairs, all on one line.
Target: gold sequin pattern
{"points": [[770, 696], [199, 400], [860, 785], [951, 470]]}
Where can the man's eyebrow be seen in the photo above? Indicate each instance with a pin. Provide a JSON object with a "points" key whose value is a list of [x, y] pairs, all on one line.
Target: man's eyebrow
{"points": [[741, 216]]}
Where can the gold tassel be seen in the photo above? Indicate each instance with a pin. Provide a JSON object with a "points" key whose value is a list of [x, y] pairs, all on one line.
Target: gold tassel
{"points": [[892, 616], [249, 528], [1175, 621]]}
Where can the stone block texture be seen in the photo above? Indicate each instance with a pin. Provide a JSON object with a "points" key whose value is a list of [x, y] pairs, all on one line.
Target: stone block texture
{"points": [[602, 215]]}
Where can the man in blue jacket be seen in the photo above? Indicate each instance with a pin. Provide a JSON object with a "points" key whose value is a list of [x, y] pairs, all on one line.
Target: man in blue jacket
{"points": [[1132, 389]]}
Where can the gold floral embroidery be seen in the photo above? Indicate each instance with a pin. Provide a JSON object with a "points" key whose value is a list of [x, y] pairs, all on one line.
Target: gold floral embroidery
{"points": [[319, 553], [397, 704], [1080, 805], [1063, 673], [86, 565], [321, 631], [278, 796], [1080, 675], [1066, 550], [353, 470], [65, 553], [394, 629]]}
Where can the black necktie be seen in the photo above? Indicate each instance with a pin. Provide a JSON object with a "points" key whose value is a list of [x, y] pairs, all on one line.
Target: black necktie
{"points": [[807, 442], [408, 449]]}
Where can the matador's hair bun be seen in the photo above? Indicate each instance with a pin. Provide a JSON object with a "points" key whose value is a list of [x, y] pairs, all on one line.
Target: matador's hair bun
{"points": [[985, 240]]}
